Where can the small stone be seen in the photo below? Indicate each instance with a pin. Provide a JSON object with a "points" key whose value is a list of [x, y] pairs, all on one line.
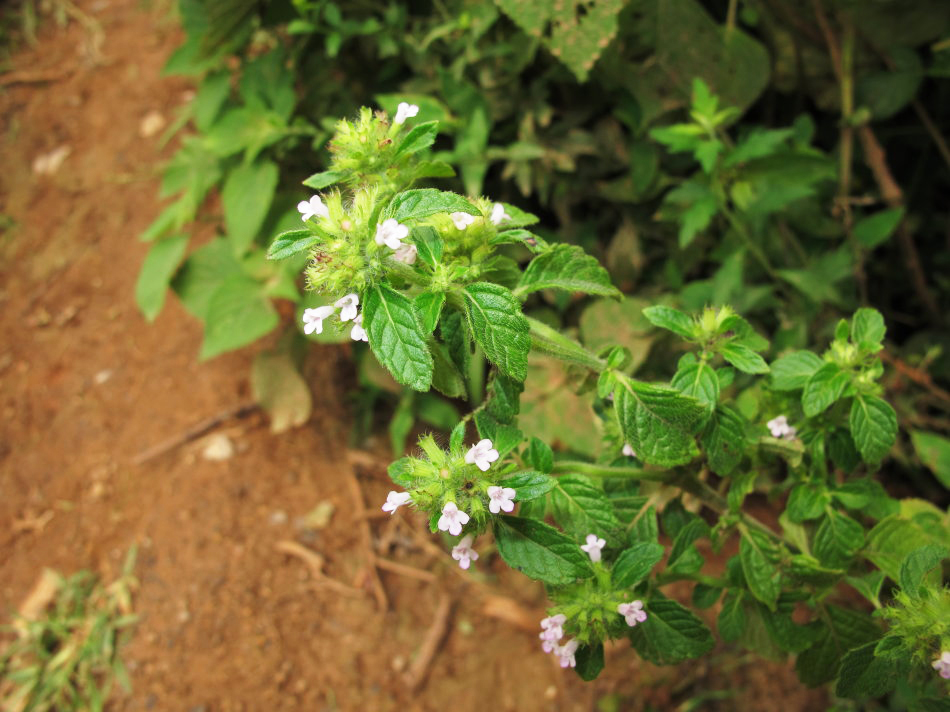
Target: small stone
{"points": [[278, 518], [151, 124], [218, 448], [103, 376]]}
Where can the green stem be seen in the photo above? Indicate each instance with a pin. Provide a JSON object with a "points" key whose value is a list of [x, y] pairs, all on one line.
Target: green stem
{"points": [[552, 342], [591, 469]]}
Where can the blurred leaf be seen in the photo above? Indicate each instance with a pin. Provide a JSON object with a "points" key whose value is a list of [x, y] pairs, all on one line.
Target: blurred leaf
{"points": [[280, 390]]}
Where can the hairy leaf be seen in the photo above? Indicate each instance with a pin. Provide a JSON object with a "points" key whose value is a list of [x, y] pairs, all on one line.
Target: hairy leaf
{"points": [[540, 551], [566, 267], [635, 563], [873, 427], [397, 338], [499, 327], [670, 634]]}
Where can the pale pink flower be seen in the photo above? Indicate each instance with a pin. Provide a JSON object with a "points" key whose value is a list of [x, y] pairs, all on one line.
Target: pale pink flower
{"points": [[551, 627], [313, 319], [780, 428], [406, 253], [462, 220], [452, 519], [632, 612], [394, 500], [347, 306], [628, 451], [566, 653], [593, 547], [391, 233], [358, 333], [942, 665], [312, 207], [482, 455], [501, 498], [405, 111], [498, 214], [464, 553]]}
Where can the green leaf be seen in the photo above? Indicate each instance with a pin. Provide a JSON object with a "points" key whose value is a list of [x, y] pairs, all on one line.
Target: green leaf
{"points": [[446, 378], [582, 508], [670, 319], [873, 427], [280, 390], [864, 675], [670, 634], [699, 380], [319, 181], [732, 619], [429, 244], [540, 551], [876, 229], [504, 437], [590, 661], [246, 197], [203, 272], [760, 558], [849, 629], [918, 565], [430, 306], [423, 202], [868, 329], [806, 501], [419, 138], [396, 337], [837, 540], [499, 327], [824, 387], [934, 451], [238, 314], [529, 485], [892, 540], [160, 264], [566, 267], [787, 635], [657, 421], [724, 440], [540, 456], [743, 358], [705, 596], [684, 556], [291, 242], [793, 370], [210, 97], [504, 397], [636, 563]]}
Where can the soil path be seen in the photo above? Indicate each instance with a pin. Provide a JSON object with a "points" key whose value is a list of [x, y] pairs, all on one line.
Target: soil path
{"points": [[228, 620]]}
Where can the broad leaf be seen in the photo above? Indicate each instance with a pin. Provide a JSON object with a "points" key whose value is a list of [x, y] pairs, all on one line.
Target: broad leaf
{"points": [[867, 329], [397, 338], [319, 181], [820, 662], [160, 264], [793, 370], [529, 485], [289, 243], [670, 634], [582, 508], [699, 380], [635, 563], [423, 202], [873, 427], [590, 661], [566, 267], [824, 387], [430, 306], [246, 197], [499, 327], [429, 244], [419, 138], [670, 319], [760, 559], [238, 313], [917, 566], [724, 440], [865, 675], [837, 540], [743, 358], [540, 551]]}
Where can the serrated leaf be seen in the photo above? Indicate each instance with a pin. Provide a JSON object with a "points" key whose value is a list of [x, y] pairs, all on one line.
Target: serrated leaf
{"points": [[705, 596], [684, 556], [539, 456], [566, 267], [423, 202], [499, 327], [582, 508], [396, 337], [724, 440], [419, 138], [446, 378], [918, 565], [670, 319], [657, 422], [759, 557], [824, 387], [540, 551], [670, 634], [698, 380], [837, 540], [743, 358], [430, 306], [504, 397], [820, 663], [159, 266], [504, 437], [865, 675], [291, 242], [246, 197], [590, 661], [319, 181], [428, 243], [787, 635], [868, 329], [806, 501], [636, 563], [529, 485], [732, 619], [793, 370], [873, 427]]}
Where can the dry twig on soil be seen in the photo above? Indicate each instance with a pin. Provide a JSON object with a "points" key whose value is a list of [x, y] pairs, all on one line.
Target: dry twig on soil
{"points": [[194, 432], [314, 562], [417, 672]]}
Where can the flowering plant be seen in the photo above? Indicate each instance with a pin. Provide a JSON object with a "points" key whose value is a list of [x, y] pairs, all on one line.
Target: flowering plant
{"points": [[848, 578]]}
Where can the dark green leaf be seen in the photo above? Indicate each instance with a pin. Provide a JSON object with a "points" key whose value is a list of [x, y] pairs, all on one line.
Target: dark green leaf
{"points": [[430, 306], [793, 370], [824, 387], [539, 456], [671, 320], [504, 437], [446, 378], [838, 539], [864, 675], [428, 243], [423, 202], [705, 596], [849, 629], [499, 327], [732, 619], [760, 564], [806, 501], [724, 440], [419, 138], [397, 338], [684, 556], [873, 427], [566, 267], [670, 634], [743, 358], [635, 563], [699, 380], [590, 661], [917, 566], [529, 485], [582, 508], [540, 551], [504, 396]]}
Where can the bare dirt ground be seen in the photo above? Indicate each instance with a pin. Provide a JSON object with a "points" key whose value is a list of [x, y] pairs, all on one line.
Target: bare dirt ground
{"points": [[232, 617]]}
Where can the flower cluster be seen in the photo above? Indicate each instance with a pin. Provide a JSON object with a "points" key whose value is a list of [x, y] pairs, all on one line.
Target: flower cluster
{"points": [[348, 305], [632, 612], [779, 428], [552, 632], [942, 665]]}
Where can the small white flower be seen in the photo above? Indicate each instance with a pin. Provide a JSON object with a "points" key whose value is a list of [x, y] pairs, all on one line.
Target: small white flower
{"points": [[780, 428], [482, 455], [358, 333], [405, 111], [942, 665], [462, 220], [593, 547], [391, 233], [312, 207], [452, 519], [566, 653], [551, 631], [347, 306], [632, 612], [394, 500], [628, 451], [464, 553], [406, 253], [498, 214], [500, 498], [313, 319]]}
